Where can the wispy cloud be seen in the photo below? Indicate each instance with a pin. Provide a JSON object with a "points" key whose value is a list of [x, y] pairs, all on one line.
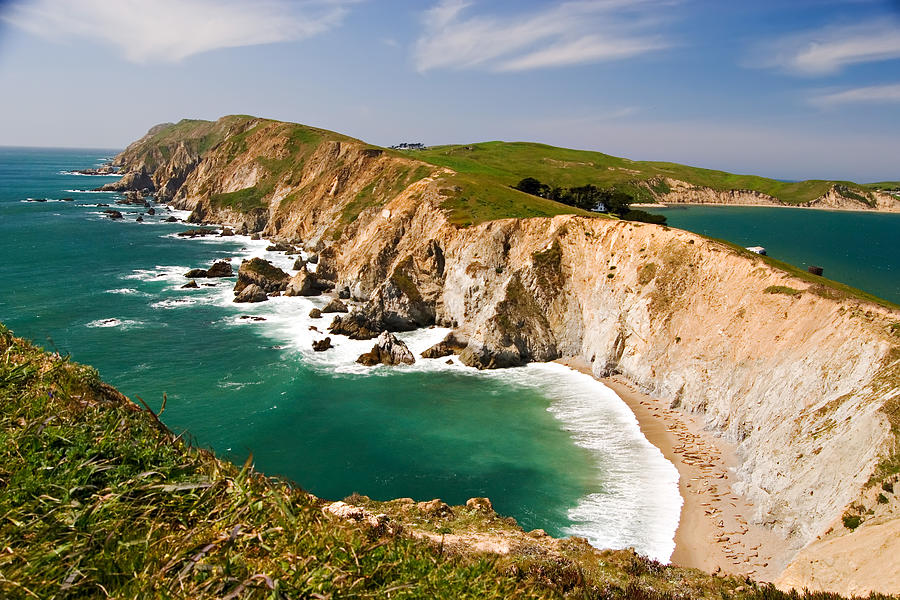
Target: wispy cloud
{"points": [[171, 30], [831, 49], [570, 33], [875, 94]]}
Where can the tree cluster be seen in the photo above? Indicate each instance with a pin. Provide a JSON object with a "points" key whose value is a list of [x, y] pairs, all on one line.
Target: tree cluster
{"points": [[590, 197]]}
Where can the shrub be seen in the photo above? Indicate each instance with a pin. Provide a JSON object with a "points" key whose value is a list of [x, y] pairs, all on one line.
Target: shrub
{"points": [[782, 289], [851, 522], [882, 499]]}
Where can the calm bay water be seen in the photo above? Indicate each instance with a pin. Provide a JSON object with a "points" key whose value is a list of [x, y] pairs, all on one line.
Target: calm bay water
{"points": [[549, 446], [861, 249]]}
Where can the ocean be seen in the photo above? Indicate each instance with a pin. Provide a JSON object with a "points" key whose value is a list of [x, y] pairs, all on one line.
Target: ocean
{"points": [[551, 447], [861, 249]]}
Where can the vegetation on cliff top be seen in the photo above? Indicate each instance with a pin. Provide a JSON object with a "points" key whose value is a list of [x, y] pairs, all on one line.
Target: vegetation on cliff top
{"points": [[509, 162], [100, 499]]}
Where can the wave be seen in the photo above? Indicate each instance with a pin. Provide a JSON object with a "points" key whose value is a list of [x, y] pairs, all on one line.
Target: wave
{"points": [[75, 173], [90, 192], [127, 292], [114, 322]]}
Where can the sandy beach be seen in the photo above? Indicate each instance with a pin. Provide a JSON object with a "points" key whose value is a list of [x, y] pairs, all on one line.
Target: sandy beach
{"points": [[715, 532]]}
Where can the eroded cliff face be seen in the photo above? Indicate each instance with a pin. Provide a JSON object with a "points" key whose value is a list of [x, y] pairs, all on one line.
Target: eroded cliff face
{"points": [[800, 376], [837, 197]]}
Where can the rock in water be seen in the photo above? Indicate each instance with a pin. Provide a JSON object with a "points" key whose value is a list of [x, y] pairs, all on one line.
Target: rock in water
{"points": [[113, 214], [171, 220], [151, 211], [194, 273], [335, 306], [299, 264], [190, 285], [252, 293], [449, 345], [261, 273], [220, 268], [356, 326], [315, 314], [388, 350], [322, 345], [303, 283], [226, 232]]}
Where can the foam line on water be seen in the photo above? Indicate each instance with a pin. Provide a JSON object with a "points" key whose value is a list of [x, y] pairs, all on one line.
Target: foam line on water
{"points": [[638, 503]]}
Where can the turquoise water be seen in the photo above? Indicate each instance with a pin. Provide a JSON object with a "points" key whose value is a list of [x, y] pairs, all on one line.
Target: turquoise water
{"points": [[549, 446], [860, 249]]}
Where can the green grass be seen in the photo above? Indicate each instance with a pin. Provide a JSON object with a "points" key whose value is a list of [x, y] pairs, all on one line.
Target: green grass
{"points": [[509, 162], [782, 289], [472, 198]]}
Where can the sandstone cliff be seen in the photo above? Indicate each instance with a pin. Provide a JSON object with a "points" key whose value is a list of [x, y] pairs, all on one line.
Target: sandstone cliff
{"points": [[806, 378], [837, 197]]}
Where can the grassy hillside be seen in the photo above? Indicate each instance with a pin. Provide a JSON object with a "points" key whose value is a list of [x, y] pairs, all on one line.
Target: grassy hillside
{"points": [[509, 162], [100, 499]]}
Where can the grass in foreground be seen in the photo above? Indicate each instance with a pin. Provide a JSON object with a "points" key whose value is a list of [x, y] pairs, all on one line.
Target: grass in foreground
{"points": [[98, 499]]}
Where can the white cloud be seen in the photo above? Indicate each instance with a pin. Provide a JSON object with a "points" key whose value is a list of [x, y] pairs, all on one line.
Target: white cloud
{"points": [[570, 33], [875, 94], [831, 49], [171, 30]]}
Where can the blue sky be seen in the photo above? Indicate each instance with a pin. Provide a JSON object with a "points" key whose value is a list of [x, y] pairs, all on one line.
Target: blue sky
{"points": [[788, 89]]}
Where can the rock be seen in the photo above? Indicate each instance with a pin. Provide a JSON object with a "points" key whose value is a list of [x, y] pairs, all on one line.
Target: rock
{"points": [[435, 508], [344, 294], [251, 318], [449, 361], [480, 504], [140, 219], [280, 247], [356, 326], [313, 259], [190, 285], [261, 273], [537, 533], [171, 220], [226, 232], [151, 211], [299, 264], [252, 293], [303, 283], [198, 232], [388, 350], [195, 273], [113, 214], [322, 345], [102, 205], [335, 306], [68, 199], [220, 268], [449, 345], [315, 314], [255, 236]]}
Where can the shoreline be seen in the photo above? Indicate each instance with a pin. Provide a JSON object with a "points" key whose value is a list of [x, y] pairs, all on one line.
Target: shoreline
{"points": [[746, 204], [715, 532]]}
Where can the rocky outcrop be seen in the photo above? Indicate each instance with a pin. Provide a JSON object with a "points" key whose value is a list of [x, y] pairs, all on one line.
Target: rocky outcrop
{"points": [[261, 273], [251, 293], [355, 325], [322, 345], [304, 283], [388, 350], [335, 306], [218, 269], [449, 345]]}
